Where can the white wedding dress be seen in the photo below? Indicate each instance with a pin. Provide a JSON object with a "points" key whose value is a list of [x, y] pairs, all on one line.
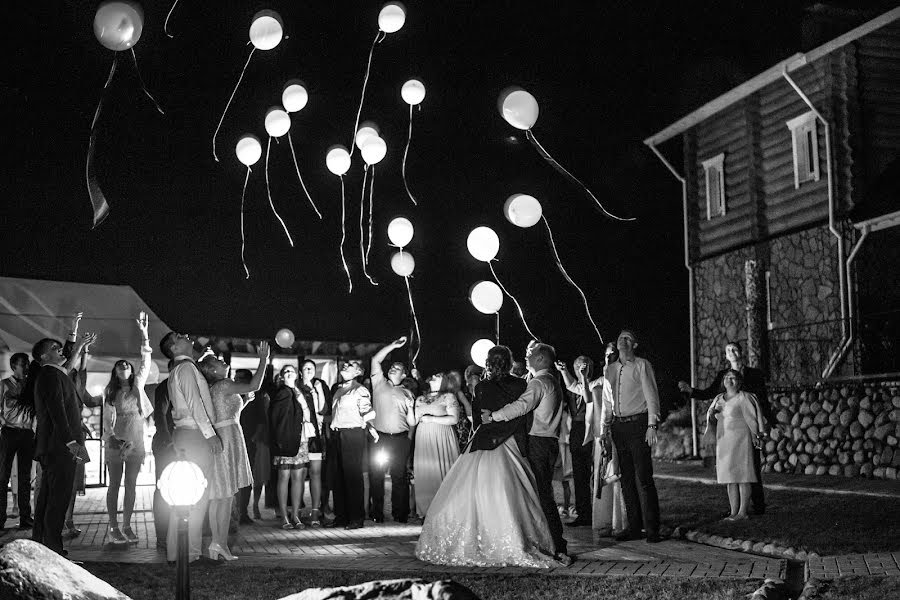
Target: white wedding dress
{"points": [[487, 514]]}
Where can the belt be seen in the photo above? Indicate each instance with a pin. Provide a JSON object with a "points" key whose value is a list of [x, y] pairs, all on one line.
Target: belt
{"points": [[398, 433], [630, 418], [225, 423], [346, 428]]}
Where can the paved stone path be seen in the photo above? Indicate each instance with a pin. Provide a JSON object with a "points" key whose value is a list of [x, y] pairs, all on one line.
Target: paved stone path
{"points": [[391, 546], [829, 567]]}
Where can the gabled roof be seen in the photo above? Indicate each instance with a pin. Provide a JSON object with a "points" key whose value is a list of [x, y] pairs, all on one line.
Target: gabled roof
{"points": [[768, 76]]}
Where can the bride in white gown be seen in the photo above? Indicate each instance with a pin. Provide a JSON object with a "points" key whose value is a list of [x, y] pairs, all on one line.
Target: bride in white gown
{"points": [[486, 512]]}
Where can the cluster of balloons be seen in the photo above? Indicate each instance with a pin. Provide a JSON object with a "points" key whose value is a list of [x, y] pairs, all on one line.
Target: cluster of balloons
{"points": [[372, 147], [400, 232]]}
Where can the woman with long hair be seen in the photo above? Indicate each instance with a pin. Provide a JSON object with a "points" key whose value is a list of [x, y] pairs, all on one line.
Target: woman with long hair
{"points": [[230, 469], [487, 511], [321, 396], [464, 425], [126, 410], [435, 417]]}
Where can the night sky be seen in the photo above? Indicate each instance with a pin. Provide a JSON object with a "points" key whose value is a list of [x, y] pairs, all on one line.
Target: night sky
{"points": [[605, 78]]}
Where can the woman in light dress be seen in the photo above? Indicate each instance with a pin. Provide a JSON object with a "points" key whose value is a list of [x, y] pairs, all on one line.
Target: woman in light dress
{"points": [[435, 416], [609, 505], [487, 512], [736, 417], [230, 469]]}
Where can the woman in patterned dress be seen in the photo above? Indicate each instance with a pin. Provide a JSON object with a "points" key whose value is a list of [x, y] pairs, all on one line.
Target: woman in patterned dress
{"points": [[230, 469]]}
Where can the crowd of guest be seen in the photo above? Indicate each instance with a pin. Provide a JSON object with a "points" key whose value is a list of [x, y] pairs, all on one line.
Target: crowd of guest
{"points": [[592, 431]]}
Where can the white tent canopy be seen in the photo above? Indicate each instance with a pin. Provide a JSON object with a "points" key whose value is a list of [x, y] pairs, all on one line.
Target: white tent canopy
{"points": [[31, 309]]}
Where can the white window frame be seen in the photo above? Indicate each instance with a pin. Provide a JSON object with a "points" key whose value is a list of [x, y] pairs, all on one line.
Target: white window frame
{"points": [[769, 323], [715, 164], [805, 142]]}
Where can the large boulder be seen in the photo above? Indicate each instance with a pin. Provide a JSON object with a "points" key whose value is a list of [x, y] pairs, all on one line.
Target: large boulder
{"points": [[31, 570], [390, 589]]}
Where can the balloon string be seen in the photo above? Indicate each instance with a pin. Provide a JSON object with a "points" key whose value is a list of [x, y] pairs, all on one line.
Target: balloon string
{"points": [[143, 86], [562, 270], [166, 24], [518, 306], [269, 192], [98, 199], [363, 95], [243, 193], [498, 327], [344, 232], [405, 152], [294, 155], [371, 207], [570, 177], [362, 231], [236, 86], [412, 310]]}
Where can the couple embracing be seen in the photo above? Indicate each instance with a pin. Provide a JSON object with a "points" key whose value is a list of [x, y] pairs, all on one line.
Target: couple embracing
{"points": [[495, 507]]}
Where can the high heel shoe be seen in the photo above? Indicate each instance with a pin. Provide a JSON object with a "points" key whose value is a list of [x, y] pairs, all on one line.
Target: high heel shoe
{"points": [[217, 552]]}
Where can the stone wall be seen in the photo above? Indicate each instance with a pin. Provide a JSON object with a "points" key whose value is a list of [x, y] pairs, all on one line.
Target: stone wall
{"points": [[838, 429]]}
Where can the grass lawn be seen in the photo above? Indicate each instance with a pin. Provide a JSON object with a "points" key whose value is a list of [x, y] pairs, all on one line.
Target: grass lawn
{"points": [[822, 523], [146, 582], [859, 588]]}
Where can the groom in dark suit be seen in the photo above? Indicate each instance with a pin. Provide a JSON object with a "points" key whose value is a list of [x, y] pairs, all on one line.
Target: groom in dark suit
{"points": [[542, 402], [59, 442]]}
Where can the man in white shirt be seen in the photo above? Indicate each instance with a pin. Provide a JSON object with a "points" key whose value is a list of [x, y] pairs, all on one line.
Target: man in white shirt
{"points": [[194, 437], [543, 400], [630, 415]]}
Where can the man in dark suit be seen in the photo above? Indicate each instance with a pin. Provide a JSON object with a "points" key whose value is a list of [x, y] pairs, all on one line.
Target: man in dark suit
{"points": [[163, 454], [59, 442], [754, 383]]}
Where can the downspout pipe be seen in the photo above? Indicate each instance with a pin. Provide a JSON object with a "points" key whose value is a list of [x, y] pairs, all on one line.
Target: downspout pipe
{"points": [[837, 356], [690, 269], [842, 351]]}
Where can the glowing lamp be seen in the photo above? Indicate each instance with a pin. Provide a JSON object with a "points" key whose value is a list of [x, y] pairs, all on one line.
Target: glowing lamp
{"points": [[486, 297], [266, 30], [284, 338], [400, 231], [403, 264], [479, 351], [381, 458], [118, 25], [374, 150], [413, 92], [338, 160], [367, 130], [248, 150], [518, 107], [392, 17], [522, 210], [294, 97], [483, 244], [182, 483], [278, 122]]}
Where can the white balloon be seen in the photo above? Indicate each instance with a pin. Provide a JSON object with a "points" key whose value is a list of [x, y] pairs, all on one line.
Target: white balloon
{"points": [[413, 92], [403, 263], [522, 210], [392, 17], [294, 97], [285, 338], [479, 351], [366, 131], [483, 244], [266, 30], [400, 231], [486, 297], [278, 122], [338, 160], [248, 150], [373, 150], [118, 25], [519, 108]]}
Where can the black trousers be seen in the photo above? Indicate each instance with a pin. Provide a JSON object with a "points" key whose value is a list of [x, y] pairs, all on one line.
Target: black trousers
{"points": [[346, 448], [757, 496], [636, 466], [57, 479], [582, 460], [163, 455], [16, 442], [542, 455], [394, 448]]}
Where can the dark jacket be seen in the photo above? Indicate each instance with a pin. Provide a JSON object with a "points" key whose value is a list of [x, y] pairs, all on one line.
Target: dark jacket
{"points": [[494, 395], [286, 421], [58, 413], [162, 416]]}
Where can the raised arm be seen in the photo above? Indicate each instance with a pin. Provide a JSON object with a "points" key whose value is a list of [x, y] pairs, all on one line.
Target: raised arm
{"points": [[76, 348], [377, 372], [262, 351], [140, 378]]}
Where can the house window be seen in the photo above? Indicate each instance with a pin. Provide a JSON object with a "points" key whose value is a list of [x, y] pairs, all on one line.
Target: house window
{"points": [[806, 148], [769, 323], [715, 186]]}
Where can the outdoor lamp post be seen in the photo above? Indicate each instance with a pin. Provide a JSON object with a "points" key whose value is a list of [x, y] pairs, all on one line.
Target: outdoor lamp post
{"points": [[181, 485]]}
